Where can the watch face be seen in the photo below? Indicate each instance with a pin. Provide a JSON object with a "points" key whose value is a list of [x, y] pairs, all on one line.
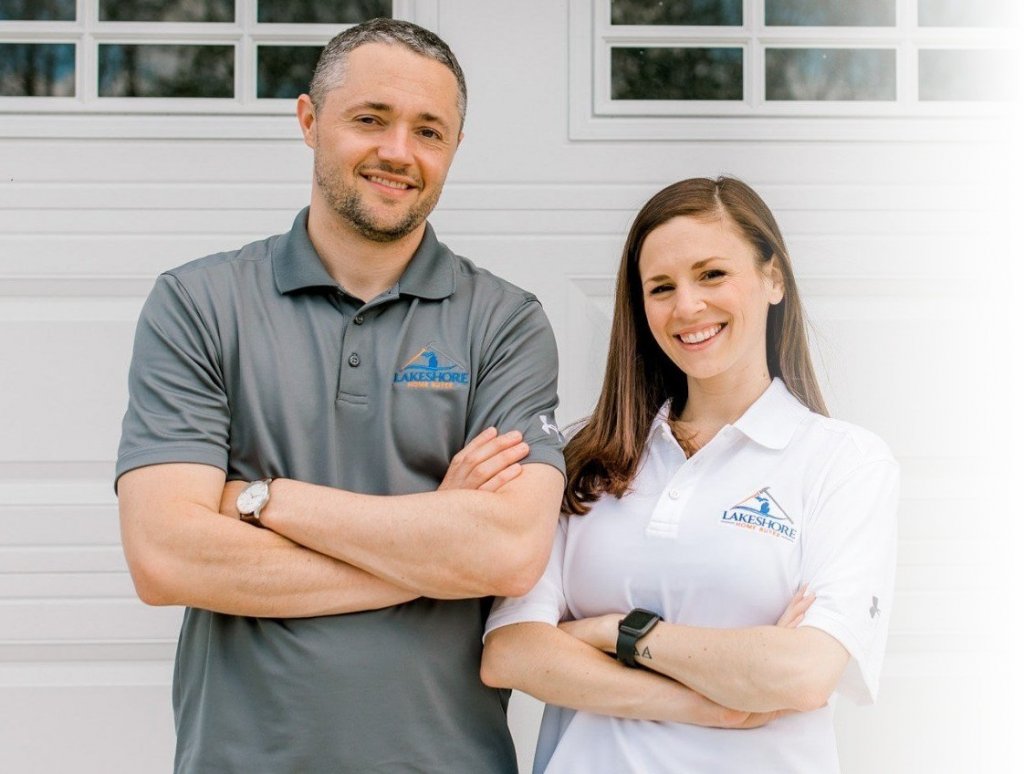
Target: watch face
{"points": [[636, 620], [253, 497]]}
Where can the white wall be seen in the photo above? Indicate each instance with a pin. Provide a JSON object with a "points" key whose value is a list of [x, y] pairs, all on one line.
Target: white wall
{"points": [[903, 254]]}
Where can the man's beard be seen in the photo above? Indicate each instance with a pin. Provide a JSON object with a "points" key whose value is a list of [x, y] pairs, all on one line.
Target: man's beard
{"points": [[346, 201]]}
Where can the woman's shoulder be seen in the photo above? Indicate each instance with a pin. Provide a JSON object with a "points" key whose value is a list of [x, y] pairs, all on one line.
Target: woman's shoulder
{"points": [[843, 443]]}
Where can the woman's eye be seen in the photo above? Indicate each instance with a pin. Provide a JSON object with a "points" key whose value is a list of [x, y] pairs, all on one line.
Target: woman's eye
{"points": [[660, 289], [712, 274]]}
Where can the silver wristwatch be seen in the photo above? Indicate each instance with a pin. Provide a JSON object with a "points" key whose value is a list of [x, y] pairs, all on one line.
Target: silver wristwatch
{"points": [[252, 500]]}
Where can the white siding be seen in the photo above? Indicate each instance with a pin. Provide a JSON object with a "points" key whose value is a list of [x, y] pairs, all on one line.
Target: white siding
{"points": [[903, 253]]}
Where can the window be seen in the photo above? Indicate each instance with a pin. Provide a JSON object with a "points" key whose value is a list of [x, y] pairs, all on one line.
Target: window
{"points": [[172, 56], [644, 69]]}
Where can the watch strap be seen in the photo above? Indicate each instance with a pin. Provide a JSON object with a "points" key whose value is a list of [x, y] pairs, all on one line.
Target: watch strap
{"points": [[625, 644]]}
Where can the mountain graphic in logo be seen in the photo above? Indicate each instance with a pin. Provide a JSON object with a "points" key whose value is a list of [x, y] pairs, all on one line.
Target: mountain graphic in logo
{"points": [[431, 369], [763, 503]]}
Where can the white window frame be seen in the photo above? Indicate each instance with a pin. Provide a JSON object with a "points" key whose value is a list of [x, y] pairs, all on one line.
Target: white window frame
{"points": [[594, 115], [244, 116]]}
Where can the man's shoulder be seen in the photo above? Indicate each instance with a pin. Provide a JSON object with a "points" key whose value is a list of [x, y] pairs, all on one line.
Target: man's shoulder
{"points": [[480, 281], [209, 267]]}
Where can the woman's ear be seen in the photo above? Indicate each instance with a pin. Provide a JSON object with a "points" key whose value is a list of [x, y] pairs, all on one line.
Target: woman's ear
{"points": [[777, 286]]}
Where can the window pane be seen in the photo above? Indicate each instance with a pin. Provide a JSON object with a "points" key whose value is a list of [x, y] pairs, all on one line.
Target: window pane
{"points": [[37, 10], [964, 75], [830, 13], [167, 10], [284, 72], [830, 73], [727, 13], [320, 12], [166, 71], [37, 69], [966, 13], [677, 73]]}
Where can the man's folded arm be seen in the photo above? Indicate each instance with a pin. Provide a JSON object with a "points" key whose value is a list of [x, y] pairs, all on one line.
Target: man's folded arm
{"points": [[445, 544], [182, 551]]}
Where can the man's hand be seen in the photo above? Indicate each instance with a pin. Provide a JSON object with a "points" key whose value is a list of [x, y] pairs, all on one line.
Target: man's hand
{"points": [[487, 462]]}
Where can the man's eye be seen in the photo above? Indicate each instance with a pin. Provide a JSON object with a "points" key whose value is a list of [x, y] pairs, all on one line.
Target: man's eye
{"points": [[430, 134], [367, 119]]}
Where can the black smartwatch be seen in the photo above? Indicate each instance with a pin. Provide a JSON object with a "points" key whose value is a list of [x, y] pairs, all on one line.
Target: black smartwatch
{"points": [[631, 628]]}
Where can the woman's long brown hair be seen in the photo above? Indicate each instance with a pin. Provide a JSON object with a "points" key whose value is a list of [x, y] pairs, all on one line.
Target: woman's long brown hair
{"points": [[603, 456]]}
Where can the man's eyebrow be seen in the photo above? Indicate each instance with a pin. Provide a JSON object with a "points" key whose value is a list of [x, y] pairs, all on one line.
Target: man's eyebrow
{"points": [[383, 107]]}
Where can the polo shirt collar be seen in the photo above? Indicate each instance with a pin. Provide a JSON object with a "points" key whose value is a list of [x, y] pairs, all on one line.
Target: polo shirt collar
{"points": [[770, 421], [297, 266], [773, 418]]}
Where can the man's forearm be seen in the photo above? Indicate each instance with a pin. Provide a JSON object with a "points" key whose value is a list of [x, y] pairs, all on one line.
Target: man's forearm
{"points": [[180, 552], [444, 544]]}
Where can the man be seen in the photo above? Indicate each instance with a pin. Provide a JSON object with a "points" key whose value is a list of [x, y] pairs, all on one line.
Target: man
{"points": [[336, 627]]}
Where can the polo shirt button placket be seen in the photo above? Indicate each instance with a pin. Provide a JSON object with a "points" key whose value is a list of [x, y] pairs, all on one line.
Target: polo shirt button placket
{"points": [[358, 319], [353, 360]]}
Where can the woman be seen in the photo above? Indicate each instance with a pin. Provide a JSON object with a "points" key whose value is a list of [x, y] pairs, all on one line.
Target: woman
{"points": [[706, 492]]}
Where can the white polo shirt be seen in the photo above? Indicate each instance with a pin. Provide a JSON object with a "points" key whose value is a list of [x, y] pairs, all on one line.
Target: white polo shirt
{"points": [[724, 539]]}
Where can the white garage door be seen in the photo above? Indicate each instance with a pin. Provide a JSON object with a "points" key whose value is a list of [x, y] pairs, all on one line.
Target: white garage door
{"points": [[889, 197]]}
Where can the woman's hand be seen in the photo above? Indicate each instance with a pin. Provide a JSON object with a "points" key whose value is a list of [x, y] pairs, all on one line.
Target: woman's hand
{"points": [[601, 631], [794, 612], [487, 462]]}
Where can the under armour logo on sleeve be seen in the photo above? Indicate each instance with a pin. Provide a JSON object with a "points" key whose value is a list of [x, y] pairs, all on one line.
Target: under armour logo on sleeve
{"points": [[874, 607], [549, 427]]}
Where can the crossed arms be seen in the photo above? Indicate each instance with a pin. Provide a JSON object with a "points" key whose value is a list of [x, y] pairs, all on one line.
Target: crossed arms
{"points": [[486, 531]]}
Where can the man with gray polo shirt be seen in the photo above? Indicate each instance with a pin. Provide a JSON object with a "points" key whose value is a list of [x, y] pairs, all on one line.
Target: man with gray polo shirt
{"points": [[340, 368]]}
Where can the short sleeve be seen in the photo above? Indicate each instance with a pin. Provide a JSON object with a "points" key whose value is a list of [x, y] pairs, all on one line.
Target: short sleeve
{"points": [[545, 602], [177, 403], [849, 563], [516, 388]]}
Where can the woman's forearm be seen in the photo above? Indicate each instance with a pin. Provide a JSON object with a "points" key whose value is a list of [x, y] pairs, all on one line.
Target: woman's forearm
{"points": [[755, 669], [555, 667]]}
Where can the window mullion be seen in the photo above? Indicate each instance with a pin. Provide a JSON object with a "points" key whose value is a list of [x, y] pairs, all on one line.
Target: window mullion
{"points": [[87, 58], [245, 54], [754, 67]]}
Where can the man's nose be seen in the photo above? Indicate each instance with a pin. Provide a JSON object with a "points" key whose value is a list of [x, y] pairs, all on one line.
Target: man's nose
{"points": [[396, 146]]}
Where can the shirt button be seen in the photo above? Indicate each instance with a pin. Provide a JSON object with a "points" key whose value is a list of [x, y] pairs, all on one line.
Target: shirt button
{"points": [[358, 319], [353, 360], [673, 494]]}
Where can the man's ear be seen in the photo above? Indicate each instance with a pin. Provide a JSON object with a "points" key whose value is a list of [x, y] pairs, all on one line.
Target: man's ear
{"points": [[306, 114]]}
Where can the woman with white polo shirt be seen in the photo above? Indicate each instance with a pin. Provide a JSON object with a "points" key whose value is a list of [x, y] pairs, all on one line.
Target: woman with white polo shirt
{"points": [[671, 631]]}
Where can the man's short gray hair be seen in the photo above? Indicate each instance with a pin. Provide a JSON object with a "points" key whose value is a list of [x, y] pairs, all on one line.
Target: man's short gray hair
{"points": [[330, 68]]}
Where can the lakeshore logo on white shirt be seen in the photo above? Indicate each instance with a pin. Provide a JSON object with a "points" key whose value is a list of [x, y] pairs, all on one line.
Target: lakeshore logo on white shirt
{"points": [[761, 513]]}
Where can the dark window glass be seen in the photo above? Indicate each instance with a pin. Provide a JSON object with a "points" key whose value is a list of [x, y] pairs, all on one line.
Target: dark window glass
{"points": [[967, 13], [284, 72], [946, 74], [830, 13], [166, 71], [723, 13], [321, 12], [677, 73], [167, 10], [37, 69], [37, 10], [830, 74]]}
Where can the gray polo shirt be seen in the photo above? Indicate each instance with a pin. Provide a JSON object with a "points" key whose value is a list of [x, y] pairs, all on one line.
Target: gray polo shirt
{"points": [[256, 362]]}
